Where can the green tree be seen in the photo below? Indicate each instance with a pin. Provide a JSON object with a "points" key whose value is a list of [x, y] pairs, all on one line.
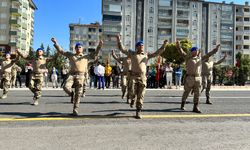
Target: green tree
{"points": [[42, 46], [48, 51], [171, 54]]}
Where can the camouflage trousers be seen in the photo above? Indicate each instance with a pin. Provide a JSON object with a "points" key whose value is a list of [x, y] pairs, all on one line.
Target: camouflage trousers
{"points": [[206, 84], [36, 84], [5, 82], [192, 83], [126, 85], [138, 88], [77, 81], [13, 79]]}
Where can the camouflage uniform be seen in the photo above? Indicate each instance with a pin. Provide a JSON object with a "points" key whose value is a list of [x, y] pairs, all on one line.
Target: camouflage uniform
{"points": [[37, 77], [6, 68], [138, 74], [125, 77], [207, 72], [193, 77], [78, 69]]}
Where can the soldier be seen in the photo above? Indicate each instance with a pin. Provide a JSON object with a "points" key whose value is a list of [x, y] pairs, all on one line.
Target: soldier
{"points": [[37, 78], [193, 74], [13, 76], [6, 68], [78, 68], [207, 72], [139, 61], [125, 77]]}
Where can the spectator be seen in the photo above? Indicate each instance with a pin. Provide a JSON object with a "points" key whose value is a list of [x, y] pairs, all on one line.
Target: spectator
{"points": [[115, 74], [108, 73], [178, 76], [169, 74], [54, 77]]}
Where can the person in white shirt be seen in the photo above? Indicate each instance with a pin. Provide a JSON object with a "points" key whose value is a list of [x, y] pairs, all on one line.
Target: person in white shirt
{"points": [[54, 77], [100, 70], [169, 75]]}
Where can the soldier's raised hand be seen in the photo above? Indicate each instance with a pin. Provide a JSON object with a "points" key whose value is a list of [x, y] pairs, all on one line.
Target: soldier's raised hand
{"points": [[53, 40], [113, 52], [225, 55], [217, 46], [118, 37], [165, 42], [100, 42], [178, 44]]}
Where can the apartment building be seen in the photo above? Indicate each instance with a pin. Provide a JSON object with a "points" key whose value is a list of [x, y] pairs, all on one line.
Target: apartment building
{"points": [[205, 23], [86, 34], [16, 25], [242, 30]]}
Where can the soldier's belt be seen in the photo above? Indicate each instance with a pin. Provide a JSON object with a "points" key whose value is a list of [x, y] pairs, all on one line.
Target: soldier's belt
{"points": [[190, 75], [136, 74], [77, 73]]}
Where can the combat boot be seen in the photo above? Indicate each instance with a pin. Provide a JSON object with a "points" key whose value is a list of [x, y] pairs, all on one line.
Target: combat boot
{"points": [[208, 101], [75, 112], [138, 114], [132, 103], [182, 105], [72, 97], [4, 96], [35, 101], [196, 108]]}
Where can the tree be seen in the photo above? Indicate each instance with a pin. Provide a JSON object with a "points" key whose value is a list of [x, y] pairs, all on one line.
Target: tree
{"points": [[42, 46], [48, 51], [171, 54]]}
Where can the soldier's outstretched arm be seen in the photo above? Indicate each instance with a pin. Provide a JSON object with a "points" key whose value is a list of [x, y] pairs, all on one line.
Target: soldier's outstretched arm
{"points": [[120, 46], [118, 59], [159, 51], [21, 55], [58, 48], [180, 50], [95, 54], [221, 60], [215, 50]]}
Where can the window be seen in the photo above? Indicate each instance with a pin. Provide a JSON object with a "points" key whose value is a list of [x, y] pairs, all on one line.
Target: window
{"points": [[4, 4], [151, 1], [2, 37], [3, 15], [165, 3], [246, 46], [112, 18], [151, 10], [246, 19], [246, 37], [3, 26], [115, 8]]}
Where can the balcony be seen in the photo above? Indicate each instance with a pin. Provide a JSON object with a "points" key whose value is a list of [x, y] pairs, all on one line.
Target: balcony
{"points": [[25, 16], [15, 22], [24, 25], [239, 42], [239, 23], [15, 11], [19, 2], [13, 44]]}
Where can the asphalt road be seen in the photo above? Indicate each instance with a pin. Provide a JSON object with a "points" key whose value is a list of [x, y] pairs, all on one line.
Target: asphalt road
{"points": [[107, 122]]}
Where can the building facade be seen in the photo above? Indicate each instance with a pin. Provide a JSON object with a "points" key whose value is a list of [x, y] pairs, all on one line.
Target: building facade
{"points": [[205, 23], [16, 25], [87, 34]]}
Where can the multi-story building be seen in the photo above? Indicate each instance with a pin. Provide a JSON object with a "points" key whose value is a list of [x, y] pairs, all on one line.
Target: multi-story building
{"points": [[86, 34], [112, 25], [205, 23], [16, 25], [242, 30]]}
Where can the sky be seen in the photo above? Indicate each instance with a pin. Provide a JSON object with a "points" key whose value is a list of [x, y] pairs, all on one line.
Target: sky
{"points": [[53, 17]]}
